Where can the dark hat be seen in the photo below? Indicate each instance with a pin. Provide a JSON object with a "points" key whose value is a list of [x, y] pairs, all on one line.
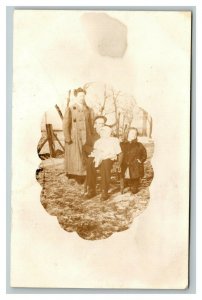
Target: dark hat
{"points": [[79, 90]]}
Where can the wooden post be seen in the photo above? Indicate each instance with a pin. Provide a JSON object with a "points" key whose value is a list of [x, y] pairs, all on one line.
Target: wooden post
{"points": [[144, 125], [41, 146], [55, 135], [118, 124], [49, 131], [150, 127]]}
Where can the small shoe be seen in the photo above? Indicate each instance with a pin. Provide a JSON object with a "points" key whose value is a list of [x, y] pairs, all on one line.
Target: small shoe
{"points": [[134, 190]]}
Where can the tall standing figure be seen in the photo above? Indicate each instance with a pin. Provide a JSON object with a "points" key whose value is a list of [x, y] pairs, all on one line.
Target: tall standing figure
{"points": [[78, 130]]}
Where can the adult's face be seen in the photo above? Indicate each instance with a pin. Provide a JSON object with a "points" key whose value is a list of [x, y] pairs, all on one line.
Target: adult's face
{"points": [[80, 98], [132, 135], [99, 123]]}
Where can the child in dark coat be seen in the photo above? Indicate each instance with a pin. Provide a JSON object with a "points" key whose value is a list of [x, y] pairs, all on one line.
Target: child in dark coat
{"points": [[134, 156]]}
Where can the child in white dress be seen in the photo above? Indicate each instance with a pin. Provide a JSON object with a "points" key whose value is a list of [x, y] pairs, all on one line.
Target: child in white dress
{"points": [[106, 150]]}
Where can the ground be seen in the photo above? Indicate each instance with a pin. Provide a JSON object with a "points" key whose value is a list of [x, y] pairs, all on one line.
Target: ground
{"points": [[92, 219]]}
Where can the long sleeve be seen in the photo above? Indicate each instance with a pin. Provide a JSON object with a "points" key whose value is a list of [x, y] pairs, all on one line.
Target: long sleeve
{"points": [[67, 121], [143, 153]]}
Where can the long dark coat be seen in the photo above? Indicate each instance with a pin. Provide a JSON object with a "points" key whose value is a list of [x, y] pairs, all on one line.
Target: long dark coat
{"points": [[78, 128], [131, 153]]}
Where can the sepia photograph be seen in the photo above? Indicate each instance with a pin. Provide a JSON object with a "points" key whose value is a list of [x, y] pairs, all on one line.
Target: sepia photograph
{"points": [[101, 146], [96, 165]]}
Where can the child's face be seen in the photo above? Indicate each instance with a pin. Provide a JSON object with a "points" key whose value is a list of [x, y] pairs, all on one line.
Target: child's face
{"points": [[105, 132], [132, 135], [99, 123]]}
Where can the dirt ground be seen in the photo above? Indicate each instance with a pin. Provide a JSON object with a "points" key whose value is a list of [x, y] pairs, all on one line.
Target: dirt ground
{"points": [[92, 219]]}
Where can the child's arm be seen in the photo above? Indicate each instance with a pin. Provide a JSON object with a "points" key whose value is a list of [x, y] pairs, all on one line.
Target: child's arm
{"points": [[97, 154], [143, 154], [93, 151]]}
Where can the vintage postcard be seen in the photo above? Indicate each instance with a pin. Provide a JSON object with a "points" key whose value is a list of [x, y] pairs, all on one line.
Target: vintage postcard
{"points": [[100, 149]]}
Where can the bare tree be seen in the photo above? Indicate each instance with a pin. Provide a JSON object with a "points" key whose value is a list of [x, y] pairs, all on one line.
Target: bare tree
{"points": [[120, 105], [104, 100]]}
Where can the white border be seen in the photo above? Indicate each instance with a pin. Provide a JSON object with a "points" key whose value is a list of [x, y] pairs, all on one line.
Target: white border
{"points": [[2, 147], [74, 3]]}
